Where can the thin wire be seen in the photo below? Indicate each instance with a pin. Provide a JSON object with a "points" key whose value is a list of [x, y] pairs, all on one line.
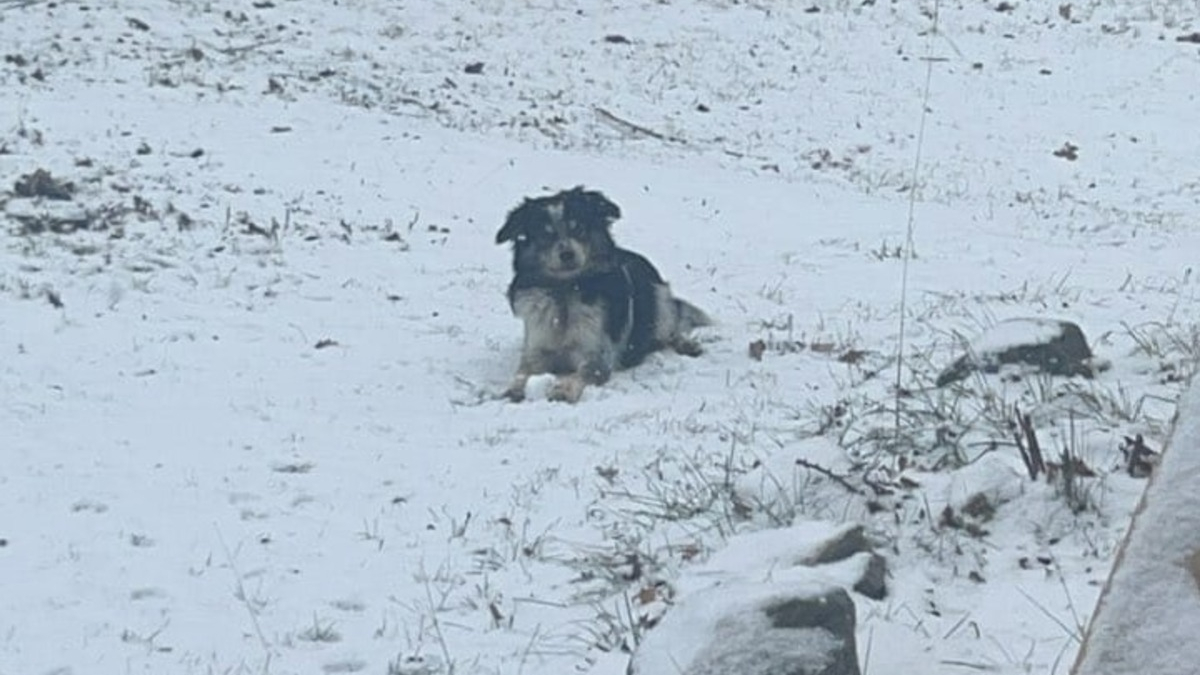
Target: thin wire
{"points": [[912, 207]]}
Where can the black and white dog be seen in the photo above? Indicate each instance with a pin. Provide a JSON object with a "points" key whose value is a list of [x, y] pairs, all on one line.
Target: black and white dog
{"points": [[589, 307]]}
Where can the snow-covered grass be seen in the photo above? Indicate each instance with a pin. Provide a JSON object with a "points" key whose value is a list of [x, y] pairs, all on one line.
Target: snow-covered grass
{"points": [[249, 369]]}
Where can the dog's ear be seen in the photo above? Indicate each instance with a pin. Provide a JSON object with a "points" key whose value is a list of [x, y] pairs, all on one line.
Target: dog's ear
{"points": [[595, 206], [514, 226]]}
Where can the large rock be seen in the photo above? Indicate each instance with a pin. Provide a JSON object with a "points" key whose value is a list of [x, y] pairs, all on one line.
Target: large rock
{"points": [[1050, 346], [773, 602], [785, 627]]}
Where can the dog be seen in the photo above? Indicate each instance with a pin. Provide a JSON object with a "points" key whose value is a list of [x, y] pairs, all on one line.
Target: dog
{"points": [[589, 306]]}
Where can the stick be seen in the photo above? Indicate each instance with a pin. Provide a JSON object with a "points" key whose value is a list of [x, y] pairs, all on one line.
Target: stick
{"points": [[636, 129], [829, 474]]}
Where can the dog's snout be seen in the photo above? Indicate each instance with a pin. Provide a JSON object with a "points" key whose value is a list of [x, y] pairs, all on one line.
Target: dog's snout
{"points": [[565, 258]]}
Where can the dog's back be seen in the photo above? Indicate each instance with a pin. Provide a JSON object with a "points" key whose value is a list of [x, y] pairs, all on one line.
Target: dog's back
{"points": [[651, 318]]}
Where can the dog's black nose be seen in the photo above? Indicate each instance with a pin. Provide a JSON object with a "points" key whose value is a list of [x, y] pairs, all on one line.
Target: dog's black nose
{"points": [[566, 256]]}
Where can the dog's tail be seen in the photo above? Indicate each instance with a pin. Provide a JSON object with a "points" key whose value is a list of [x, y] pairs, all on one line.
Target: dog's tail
{"points": [[689, 316]]}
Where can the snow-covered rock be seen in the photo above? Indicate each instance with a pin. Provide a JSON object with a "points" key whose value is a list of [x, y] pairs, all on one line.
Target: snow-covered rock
{"points": [[1048, 345], [788, 627], [770, 602]]}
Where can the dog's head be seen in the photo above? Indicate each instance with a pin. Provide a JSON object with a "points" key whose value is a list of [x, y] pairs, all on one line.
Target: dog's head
{"points": [[562, 236]]}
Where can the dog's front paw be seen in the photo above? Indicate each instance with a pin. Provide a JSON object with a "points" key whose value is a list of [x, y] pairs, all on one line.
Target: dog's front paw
{"points": [[568, 388], [686, 346], [516, 389]]}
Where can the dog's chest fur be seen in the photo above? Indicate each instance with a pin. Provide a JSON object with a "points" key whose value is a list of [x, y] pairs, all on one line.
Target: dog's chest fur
{"points": [[561, 327]]}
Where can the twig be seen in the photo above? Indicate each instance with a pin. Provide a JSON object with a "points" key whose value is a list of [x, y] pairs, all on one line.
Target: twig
{"points": [[968, 664], [240, 51], [739, 154], [634, 627], [1080, 628], [437, 626], [11, 4], [635, 128], [912, 207], [240, 594], [1027, 444], [1072, 633], [409, 100], [537, 632], [840, 480]]}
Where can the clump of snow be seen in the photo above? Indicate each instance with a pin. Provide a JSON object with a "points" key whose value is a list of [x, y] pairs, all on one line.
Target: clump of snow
{"points": [[538, 387], [764, 554], [998, 478], [788, 546]]}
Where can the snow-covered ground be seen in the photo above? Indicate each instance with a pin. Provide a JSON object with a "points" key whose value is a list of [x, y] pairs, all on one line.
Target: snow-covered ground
{"points": [[248, 369]]}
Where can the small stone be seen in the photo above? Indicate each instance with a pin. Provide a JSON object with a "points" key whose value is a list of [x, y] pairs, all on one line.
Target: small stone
{"points": [[873, 582], [852, 540]]}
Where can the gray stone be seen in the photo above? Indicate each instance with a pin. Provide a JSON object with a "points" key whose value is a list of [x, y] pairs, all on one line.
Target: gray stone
{"points": [[850, 541], [1049, 346], [873, 582]]}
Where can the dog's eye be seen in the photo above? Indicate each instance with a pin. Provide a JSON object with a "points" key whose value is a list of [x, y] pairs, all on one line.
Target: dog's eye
{"points": [[522, 238]]}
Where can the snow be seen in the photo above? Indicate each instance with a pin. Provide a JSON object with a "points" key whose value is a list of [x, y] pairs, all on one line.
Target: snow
{"points": [[250, 424], [776, 554], [1149, 613], [997, 478], [1014, 333], [755, 553]]}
